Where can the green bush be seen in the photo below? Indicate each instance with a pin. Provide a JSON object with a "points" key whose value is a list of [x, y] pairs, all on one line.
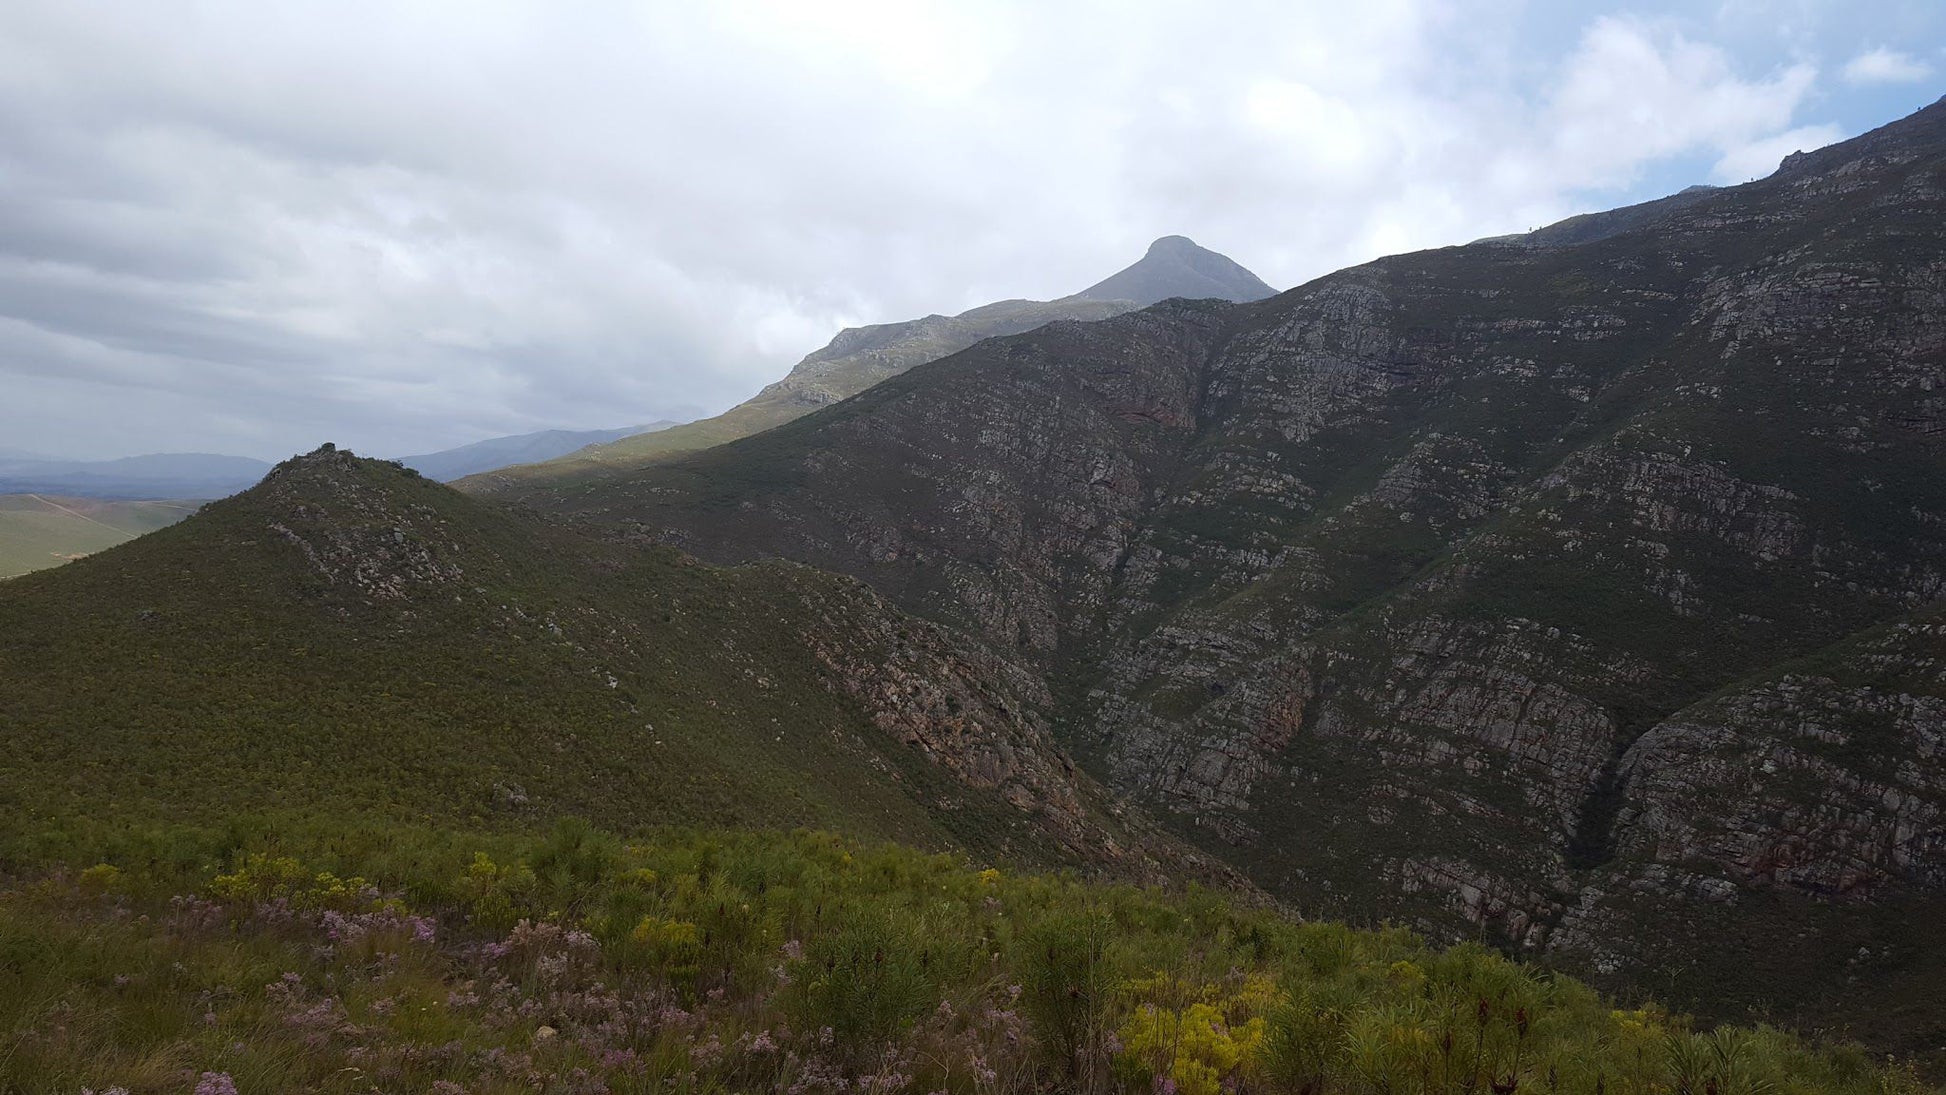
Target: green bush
{"points": [[342, 960]]}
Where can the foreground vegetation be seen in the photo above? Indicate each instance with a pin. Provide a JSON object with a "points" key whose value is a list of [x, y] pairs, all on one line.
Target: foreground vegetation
{"points": [[345, 960]]}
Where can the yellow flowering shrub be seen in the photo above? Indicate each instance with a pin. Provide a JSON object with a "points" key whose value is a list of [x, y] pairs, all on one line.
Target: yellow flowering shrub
{"points": [[99, 879], [1203, 1042], [668, 937]]}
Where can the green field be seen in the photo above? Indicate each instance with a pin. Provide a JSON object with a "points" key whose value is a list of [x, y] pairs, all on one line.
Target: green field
{"points": [[39, 531]]}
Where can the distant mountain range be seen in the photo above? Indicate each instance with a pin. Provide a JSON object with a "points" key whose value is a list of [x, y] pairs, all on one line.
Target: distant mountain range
{"points": [[860, 357], [527, 448], [155, 476], [175, 475], [54, 510]]}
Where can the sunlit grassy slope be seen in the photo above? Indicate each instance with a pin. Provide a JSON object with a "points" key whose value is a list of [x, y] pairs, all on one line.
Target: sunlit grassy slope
{"points": [[39, 531]]}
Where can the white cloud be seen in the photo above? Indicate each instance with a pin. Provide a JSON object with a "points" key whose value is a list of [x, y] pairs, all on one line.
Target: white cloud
{"points": [[1756, 159], [1886, 66], [1633, 95]]}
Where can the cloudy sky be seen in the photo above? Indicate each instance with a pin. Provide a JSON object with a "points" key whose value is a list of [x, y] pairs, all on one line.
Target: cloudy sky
{"points": [[250, 227]]}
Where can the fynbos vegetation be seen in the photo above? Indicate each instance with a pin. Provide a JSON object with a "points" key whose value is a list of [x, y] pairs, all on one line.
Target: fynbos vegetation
{"points": [[802, 963]]}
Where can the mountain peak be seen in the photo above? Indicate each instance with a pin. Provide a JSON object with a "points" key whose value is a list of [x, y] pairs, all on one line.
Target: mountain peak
{"points": [[1176, 266], [1173, 245]]}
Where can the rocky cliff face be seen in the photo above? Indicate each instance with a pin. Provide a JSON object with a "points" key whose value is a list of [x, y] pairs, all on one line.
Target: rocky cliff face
{"points": [[1466, 586]]}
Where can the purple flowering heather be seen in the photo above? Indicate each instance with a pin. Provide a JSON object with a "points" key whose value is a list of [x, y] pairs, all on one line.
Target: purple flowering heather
{"points": [[216, 1083]]}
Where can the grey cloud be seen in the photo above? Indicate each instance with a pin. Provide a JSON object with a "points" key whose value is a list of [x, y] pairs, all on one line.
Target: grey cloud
{"points": [[256, 227]]}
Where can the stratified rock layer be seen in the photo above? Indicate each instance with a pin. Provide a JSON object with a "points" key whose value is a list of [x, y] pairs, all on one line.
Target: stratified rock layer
{"points": [[1555, 587]]}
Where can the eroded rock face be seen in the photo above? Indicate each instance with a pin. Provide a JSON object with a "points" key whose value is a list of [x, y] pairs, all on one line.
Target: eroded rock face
{"points": [[1464, 587]]}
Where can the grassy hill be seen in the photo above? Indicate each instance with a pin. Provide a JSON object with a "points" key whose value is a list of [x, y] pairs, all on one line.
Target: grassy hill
{"points": [[349, 638], [39, 531]]}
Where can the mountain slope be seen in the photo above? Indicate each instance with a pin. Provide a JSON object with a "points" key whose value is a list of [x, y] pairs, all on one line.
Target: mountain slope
{"points": [[498, 452], [860, 357], [1402, 590], [349, 638]]}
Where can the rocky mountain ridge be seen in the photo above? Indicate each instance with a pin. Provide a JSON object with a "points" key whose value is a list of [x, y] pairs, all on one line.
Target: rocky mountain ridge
{"points": [[1474, 586], [860, 357]]}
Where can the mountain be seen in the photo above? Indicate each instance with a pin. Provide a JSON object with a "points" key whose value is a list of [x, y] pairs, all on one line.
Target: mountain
{"points": [[860, 357], [1175, 267], [37, 531], [527, 448], [351, 640], [1580, 591], [154, 476]]}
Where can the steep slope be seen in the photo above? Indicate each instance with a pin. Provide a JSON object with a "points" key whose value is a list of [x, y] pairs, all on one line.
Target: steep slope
{"points": [[37, 531], [1411, 589], [860, 357], [350, 638], [495, 453]]}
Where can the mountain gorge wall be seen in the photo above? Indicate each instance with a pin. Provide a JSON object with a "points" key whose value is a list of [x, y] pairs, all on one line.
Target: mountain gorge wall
{"points": [[1552, 590]]}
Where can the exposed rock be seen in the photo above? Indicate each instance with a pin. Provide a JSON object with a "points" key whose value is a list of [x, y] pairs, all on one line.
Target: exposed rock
{"points": [[1465, 587]]}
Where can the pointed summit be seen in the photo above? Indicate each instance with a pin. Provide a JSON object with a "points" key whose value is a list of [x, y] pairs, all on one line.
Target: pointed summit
{"points": [[1176, 267], [862, 356]]}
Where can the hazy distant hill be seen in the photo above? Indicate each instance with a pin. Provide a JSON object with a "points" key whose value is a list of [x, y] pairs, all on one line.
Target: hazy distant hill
{"points": [[863, 356], [154, 476], [526, 448]]}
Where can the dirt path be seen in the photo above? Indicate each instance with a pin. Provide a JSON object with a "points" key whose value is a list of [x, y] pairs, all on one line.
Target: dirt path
{"points": [[76, 513]]}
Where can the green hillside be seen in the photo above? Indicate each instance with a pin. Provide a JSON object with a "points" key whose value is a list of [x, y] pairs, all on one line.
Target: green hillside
{"points": [[38, 531], [351, 639], [348, 961]]}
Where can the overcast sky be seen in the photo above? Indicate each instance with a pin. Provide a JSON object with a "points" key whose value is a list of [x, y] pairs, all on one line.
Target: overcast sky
{"points": [[252, 227]]}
